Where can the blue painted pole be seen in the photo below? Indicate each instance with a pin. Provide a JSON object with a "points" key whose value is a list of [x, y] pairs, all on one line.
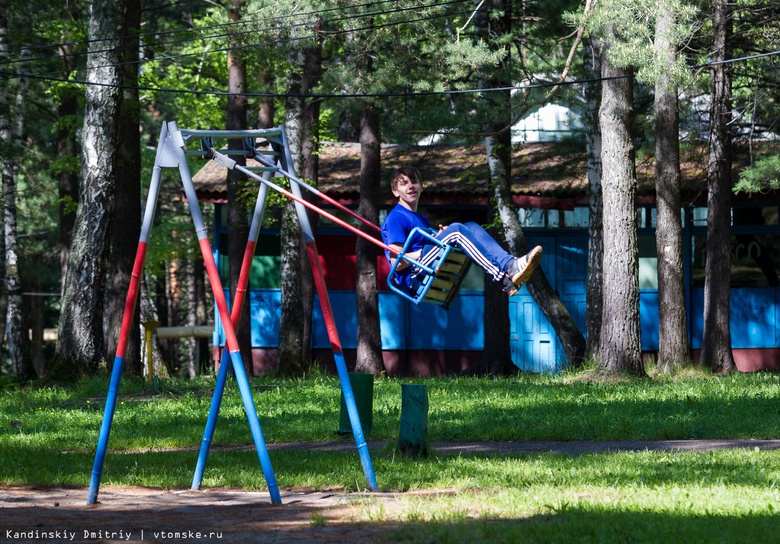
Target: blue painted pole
{"points": [[227, 322], [254, 426], [219, 385], [354, 419], [105, 430], [211, 422], [127, 319]]}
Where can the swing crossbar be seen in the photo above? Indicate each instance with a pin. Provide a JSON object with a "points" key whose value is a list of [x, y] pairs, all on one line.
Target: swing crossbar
{"points": [[440, 282]]}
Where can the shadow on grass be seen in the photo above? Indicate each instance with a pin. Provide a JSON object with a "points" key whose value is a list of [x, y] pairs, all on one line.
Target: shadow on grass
{"points": [[581, 412], [240, 469], [582, 524]]}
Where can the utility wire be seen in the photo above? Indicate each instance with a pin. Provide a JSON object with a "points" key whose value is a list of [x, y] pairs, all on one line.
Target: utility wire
{"points": [[729, 61], [412, 94], [191, 29], [273, 42], [244, 22]]}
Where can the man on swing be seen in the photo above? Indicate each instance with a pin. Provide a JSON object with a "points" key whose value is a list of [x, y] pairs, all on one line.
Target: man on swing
{"points": [[470, 238]]}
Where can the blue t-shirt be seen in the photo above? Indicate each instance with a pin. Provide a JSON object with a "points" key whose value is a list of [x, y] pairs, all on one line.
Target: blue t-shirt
{"points": [[395, 230]]}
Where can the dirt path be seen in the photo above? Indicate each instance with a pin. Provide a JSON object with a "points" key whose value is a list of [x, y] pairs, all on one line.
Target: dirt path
{"points": [[54, 514]]}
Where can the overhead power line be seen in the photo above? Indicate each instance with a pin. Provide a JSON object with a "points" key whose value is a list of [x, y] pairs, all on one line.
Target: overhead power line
{"points": [[312, 19], [410, 94], [273, 42]]}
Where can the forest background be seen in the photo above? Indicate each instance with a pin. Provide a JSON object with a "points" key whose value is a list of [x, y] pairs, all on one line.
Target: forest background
{"points": [[86, 87]]}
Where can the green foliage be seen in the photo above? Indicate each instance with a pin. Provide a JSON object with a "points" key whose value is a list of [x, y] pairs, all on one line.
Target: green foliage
{"points": [[761, 177], [629, 26]]}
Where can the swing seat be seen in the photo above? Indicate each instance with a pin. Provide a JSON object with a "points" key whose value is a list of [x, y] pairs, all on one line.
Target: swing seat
{"points": [[439, 283]]}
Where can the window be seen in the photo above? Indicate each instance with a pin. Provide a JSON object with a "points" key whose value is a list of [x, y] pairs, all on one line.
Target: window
{"points": [[579, 217], [755, 260], [648, 263]]}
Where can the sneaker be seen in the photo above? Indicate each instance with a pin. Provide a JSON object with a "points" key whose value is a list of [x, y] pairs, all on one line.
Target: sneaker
{"points": [[508, 287], [521, 268]]}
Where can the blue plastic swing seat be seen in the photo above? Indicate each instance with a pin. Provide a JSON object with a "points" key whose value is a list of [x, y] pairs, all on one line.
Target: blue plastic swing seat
{"points": [[439, 283]]}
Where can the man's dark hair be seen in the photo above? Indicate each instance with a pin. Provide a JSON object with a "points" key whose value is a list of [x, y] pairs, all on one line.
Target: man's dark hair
{"points": [[409, 171]]}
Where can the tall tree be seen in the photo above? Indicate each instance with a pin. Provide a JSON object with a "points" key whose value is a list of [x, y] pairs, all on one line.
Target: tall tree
{"points": [[716, 338], [11, 127], [310, 145], [127, 217], [620, 347], [369, 350], [595, 293], [302, 122], [292, 324], [673, 350], [237, 223], [67, 149], [197, 313], [80, 345], [493, 24]]}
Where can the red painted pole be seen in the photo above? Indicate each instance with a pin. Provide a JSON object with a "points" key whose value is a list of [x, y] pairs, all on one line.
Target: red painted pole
{"points": [[132, 296], [322, 291], [219, 296]]}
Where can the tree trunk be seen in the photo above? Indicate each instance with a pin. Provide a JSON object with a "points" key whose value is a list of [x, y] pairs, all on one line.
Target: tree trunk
{"points": [[594, 294], [498, 150], [127, 219], [369, 348], [67, 146], [197, 314], [11, 129], [291, 326], [162, 313], [35, 310], [238, 227], [620, 351], [80, 345], [673, 351], [5, 135], [312, 73], [16, 329], [497, 353], [291, 323], [266, 109], [716, 337]]}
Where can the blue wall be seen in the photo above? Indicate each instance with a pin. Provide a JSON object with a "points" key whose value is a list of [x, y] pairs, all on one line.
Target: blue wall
{"points": [[755, 315]]}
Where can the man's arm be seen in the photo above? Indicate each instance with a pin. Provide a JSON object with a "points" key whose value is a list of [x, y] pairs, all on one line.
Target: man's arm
{"points": [[404, 264]]}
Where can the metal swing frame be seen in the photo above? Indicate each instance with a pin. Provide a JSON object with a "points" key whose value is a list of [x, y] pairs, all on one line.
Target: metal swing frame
{"points": [[171, 153]]}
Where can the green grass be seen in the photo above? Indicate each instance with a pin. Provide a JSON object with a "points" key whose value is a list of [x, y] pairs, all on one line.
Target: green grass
{"points": [[48, 436]]}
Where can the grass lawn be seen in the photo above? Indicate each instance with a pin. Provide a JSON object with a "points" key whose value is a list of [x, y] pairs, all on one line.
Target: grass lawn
{"points": [[48, 437]]}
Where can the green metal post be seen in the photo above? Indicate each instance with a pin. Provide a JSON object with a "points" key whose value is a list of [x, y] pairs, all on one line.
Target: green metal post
{"points": [[413, 433]]}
